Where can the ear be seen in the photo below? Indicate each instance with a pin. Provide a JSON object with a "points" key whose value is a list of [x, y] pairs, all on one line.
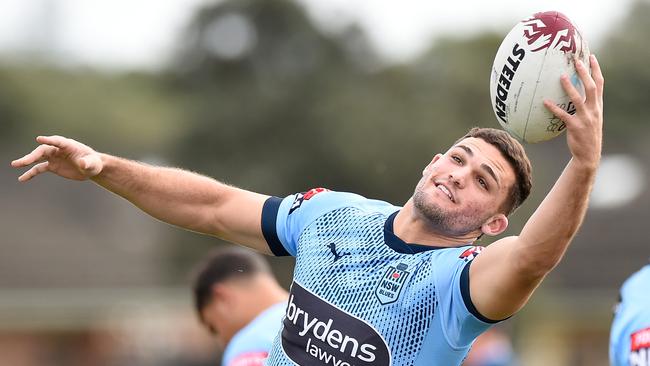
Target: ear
{"points": [[221, 294], [495, 225], [428, 167]]}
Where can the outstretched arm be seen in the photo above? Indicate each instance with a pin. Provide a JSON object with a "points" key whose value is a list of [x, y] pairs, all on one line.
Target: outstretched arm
{"points": [[175, 196], [507, 272]]}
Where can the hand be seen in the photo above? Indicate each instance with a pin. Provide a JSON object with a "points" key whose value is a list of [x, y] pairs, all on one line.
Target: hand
{"points": [[585, 127], [61, 156]]}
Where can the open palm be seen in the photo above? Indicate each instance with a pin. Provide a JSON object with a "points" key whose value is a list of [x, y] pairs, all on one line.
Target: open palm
{"points": [[61, 156]]}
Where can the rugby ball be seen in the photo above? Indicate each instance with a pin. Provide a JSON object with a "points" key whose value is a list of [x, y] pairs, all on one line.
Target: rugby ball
{"points": [[527, 70]]}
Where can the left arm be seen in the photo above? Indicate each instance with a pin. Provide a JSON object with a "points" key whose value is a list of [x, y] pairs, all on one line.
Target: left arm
{"points": [[505, 274]]}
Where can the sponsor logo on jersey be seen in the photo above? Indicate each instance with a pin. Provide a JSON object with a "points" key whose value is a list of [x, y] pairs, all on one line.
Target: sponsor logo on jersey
{"points": [[305, 196], [470, 253], [317, 333], [250, 359], [390, 285], [335, 252], [549, 30], [640, 348]]}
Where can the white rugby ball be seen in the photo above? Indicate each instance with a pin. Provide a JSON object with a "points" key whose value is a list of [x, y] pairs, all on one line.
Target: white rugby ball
{"points": [[527, 70]]}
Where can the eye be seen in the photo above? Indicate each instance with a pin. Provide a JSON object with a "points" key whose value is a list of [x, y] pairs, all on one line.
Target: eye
{"points": [[483, 183], [457, 159]]}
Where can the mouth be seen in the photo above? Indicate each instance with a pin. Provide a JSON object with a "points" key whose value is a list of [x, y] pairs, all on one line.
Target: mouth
{"points": [[446, 191]]}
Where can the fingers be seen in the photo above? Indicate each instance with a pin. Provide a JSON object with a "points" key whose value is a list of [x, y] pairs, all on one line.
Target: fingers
{"points": [[34, 171], [572, 92], [49, 146], [58, 141], [557, 111], [597, 75], [587, 80], [40, 153]]}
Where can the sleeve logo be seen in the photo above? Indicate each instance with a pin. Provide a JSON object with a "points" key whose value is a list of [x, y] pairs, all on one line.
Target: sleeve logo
{"points": [[250, 359], [470, 253], [305, 196], [640, 347]]}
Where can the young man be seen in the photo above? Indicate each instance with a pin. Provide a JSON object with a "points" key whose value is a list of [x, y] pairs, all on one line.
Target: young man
{"points": [[364, 293], [240, 302], [629, 342]]}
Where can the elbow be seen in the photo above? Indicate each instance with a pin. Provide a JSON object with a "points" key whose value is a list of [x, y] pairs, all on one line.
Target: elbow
{"points": [[538, 256], [536, 265]]}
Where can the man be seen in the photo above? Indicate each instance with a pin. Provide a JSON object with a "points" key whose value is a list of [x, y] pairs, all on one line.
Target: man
{"points": [[240, 302], [492, 348], [629, 342], [364, 293]]}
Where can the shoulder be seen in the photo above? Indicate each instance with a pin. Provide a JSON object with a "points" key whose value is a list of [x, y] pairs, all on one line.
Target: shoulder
{"points": [[459, 256], [635, 288], [323, 196], [255, 339], [318, 201]]}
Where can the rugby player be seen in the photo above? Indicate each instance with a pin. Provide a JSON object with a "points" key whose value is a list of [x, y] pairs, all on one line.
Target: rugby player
{"points": [[377, 284], [238, 299], [629, 342]]}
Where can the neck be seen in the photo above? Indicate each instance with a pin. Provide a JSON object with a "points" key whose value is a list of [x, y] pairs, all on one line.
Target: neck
{"points": [[262, 292], [411, 227]]}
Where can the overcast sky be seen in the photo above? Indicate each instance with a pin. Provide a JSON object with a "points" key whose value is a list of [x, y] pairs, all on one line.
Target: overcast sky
{"points": [[141, 33]]}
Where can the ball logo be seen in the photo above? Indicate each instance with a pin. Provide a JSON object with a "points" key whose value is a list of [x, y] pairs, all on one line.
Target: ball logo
{"points": [[550, 30], [316, 332], [505, 78]]}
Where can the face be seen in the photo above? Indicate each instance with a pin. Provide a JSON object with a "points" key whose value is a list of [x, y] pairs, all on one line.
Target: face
{"points": [[212, 318], [461, 191]]}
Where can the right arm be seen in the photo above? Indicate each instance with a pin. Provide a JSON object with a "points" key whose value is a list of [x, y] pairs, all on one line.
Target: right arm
{"points": [[175, 196]]}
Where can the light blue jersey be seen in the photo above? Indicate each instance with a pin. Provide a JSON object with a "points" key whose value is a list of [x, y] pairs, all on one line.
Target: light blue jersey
{"points": [[360, 295], [629, 343], [251, 345]]}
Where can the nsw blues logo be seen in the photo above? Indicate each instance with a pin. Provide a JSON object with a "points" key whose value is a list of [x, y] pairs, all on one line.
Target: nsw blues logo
{"points": [[391, 283]]}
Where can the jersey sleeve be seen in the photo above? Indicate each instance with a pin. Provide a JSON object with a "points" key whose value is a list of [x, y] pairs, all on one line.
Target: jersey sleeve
{"points": [[283, 220], [461, 321]]}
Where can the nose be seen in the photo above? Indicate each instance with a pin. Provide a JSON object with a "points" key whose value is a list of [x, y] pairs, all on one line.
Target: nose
{"points": [[458, 179]]}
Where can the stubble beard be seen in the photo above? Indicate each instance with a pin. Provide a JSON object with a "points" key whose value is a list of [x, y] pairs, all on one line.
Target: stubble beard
{"points": [[442, 221]]}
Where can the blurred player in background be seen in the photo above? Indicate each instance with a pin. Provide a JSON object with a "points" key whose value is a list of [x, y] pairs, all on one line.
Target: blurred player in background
{"points": [[492, 348], [377, 284], [238, 299], [629, 343]]}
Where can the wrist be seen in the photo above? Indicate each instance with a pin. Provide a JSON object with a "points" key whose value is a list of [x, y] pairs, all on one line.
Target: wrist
{"points": [[107, 163], [588, 167]]}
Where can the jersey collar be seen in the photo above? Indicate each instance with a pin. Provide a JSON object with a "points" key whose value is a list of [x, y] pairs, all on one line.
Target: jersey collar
{"points": [[400, 245]]}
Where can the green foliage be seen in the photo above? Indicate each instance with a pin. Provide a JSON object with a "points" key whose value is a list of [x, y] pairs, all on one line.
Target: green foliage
{"points": [[624, 59], [131, 111]]}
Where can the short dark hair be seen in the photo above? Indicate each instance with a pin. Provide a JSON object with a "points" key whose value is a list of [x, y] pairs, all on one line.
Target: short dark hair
{"points": [[515, 154], [223, 264]]}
